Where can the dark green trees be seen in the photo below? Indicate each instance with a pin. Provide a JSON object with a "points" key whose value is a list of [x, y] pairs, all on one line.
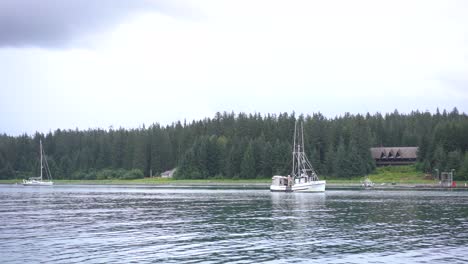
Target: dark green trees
{"points": [[248, 163], [462, 173], [242, 146], [342, 162], [6, 171]]}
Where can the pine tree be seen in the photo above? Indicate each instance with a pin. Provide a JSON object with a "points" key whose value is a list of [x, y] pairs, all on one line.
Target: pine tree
{"points": [[258, 146], [6, 171], [328, 166], [342, 164], [186, 168], [248, 163], [267, 161], [454, 159], [213, 155], [103, 154], [462, 173], [357, 166], [221, 145], [281, 155], [140, 154], [439, 158], [155, 151]]}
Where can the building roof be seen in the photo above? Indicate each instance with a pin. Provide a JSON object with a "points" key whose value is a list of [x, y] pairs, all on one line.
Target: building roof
{"points": [[394, 153]]}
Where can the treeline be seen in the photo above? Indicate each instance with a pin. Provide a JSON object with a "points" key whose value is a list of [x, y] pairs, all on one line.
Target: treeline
{"points": [[241, 146]]}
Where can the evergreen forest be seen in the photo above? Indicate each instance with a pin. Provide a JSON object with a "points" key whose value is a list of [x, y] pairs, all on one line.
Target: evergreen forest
{"points": [[241, 146]]}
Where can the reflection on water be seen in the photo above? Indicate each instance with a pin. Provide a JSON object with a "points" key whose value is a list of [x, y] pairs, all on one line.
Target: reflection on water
{"points": [[150, 225]]}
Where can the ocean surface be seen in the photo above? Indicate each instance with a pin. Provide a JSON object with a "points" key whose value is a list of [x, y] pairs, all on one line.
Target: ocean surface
{"points": [[116, 224]]}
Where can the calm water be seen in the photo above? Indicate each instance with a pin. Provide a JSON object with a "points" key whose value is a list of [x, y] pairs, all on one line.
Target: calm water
{"points": [[153, 225]]}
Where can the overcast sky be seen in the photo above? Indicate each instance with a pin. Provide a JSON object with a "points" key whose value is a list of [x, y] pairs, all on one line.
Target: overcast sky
{"points": [[89, 64]]}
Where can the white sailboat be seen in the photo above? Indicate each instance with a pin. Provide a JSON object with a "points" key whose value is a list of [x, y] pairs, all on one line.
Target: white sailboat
{"points": [[39, 181], [303, 178]]}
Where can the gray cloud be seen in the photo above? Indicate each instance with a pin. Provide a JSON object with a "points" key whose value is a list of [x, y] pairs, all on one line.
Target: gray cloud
{"points": [[57, 23]]}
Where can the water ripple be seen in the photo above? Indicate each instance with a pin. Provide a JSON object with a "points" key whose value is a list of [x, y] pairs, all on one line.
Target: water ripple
{"points": [[146, 225]]}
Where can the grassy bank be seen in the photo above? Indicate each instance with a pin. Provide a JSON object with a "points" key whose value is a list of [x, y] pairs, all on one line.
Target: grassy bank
{"points": [[390, 174], [165, 181], [395, 174], [152, 181], [399, 174]]}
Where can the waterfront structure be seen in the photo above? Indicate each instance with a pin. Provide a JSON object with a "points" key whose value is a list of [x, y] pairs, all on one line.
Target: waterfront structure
{"points": [[385, 156]]}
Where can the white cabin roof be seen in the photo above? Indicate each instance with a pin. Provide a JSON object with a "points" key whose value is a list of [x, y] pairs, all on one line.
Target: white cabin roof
{"points": [[278, 176]]}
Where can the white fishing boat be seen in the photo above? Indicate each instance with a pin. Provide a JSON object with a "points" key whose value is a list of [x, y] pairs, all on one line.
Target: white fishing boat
{"points": [[39, 181], [303, 177]]}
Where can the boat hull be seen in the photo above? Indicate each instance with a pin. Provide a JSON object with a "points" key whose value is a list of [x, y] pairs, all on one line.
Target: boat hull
{"points": [[313, 186], [38, 183], [277, 188]]}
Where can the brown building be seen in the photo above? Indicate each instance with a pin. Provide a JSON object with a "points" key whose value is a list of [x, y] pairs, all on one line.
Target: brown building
{"points": [[394, 155]]}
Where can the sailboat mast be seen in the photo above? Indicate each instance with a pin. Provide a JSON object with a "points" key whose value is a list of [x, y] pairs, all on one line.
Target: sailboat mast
{"points": [[40, 147], [294, 152]]}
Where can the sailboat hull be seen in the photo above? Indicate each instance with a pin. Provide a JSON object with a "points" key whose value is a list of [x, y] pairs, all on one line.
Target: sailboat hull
{"points": [[37, 183]]}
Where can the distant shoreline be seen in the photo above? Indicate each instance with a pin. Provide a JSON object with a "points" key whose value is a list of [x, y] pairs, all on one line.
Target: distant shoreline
{"points": [[247, 184]]}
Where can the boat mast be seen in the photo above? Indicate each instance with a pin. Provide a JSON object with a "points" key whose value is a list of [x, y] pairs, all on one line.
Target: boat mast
{"points": [[303, 149], [40, 147], [301, 164], [298, 151], [294, 152]]}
